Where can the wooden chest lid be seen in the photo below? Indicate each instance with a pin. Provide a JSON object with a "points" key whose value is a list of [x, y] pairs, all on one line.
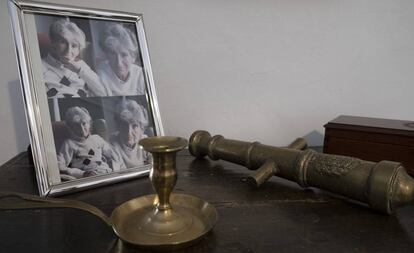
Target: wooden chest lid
{"points": [[388, 126]]}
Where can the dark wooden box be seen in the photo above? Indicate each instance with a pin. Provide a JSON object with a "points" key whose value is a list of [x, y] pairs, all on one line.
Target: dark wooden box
{"points": [[371, 139]]}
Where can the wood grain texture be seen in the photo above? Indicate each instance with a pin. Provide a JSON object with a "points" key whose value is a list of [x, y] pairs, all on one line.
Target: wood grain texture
{"points": [[277, 217], [371, 139]]}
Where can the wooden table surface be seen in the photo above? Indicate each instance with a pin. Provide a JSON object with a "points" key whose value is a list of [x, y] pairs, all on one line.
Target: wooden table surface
{"points": [[277, 217]]}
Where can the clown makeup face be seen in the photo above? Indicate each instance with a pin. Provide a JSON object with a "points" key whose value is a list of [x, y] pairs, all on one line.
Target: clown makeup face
{"points": [[130, 133], [66, 48], [120, 61]]}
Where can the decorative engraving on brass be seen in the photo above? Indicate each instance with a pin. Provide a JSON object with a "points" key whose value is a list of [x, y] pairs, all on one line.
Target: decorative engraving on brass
{"points": [[384, 186], [332, 165]]}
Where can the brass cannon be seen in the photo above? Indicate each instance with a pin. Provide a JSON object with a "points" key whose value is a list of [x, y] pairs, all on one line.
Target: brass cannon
{"points": [[384, 186]]}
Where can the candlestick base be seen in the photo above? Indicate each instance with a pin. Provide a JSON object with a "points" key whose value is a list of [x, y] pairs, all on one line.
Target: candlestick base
{"points": [[137, 222]]}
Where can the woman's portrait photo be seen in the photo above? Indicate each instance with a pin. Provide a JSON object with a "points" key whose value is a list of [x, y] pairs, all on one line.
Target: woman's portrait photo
{"points": [[65, 73], [89, 94], [95, 85], [131, 126], [119, 72], [88, 58], [82, 153], [100, 135]]}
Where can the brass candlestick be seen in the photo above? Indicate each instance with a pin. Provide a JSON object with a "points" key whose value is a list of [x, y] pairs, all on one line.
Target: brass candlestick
{"points": [[384, 186], [164, 221]]}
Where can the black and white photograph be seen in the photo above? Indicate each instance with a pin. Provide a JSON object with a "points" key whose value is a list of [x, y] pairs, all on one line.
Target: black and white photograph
{"points": [[100, 135], [85, 58], [90, 96], [89, 68]]}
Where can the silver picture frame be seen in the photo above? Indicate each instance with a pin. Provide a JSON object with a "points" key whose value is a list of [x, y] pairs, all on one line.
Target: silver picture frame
{"points": [[27, 19]]}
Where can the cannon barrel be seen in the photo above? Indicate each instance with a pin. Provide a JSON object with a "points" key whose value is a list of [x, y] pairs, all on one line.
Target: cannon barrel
{"points": [[384, 186]]}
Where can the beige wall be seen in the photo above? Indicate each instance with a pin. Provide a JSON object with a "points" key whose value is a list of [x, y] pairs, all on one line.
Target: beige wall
{"points": [[268, 70]]}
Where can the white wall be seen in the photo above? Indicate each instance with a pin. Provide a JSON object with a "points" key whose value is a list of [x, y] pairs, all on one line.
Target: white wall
{"points": [[268, 70]]}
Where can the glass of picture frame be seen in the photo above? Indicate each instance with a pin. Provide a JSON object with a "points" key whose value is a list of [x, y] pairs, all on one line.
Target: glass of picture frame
{"points": [[89, 94]]}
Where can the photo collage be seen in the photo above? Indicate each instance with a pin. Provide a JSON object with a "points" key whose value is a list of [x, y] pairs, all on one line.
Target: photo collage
{"points": [[97, 94]]}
